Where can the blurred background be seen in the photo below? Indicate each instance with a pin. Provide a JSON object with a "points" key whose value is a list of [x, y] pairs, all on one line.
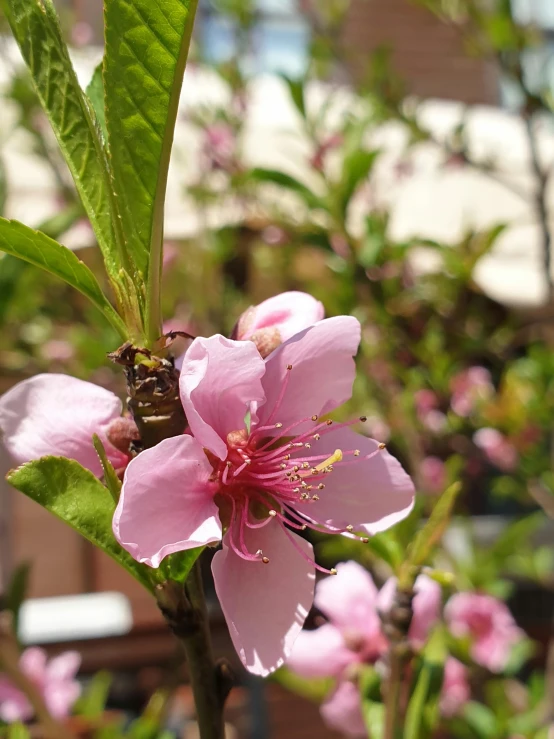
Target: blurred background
{"points": [[391, 157]]}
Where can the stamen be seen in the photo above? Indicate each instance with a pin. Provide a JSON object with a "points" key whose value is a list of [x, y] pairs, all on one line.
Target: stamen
{"points": [[350, 528]]}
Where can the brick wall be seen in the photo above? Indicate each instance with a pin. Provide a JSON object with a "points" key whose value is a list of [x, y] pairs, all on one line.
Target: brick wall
{"points": [[426, 52]]}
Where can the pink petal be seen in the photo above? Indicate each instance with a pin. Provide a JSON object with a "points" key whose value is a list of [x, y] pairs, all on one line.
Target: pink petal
{"points": [[265, 605], [426, 606], [348, 598], [370, 494], [343, 710], [320, 653], [288, 312], [63, 667], [33, 663], [56, 414], [220, 378], [60, 698], [166, 502], [14, 706], [456, 691], [322, 374]]}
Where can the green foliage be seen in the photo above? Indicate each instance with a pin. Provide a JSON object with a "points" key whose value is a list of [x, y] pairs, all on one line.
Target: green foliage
{"points": [[36, 29], [113, 483], [78, 498], [42, 251], [422, 715], [146, 52]]}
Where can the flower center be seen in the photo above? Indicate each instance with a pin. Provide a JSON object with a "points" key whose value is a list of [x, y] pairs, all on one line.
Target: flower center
{"points": [[273, 474]]}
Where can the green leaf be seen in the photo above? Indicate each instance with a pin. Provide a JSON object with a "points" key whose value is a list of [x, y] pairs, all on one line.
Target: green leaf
{"points": [[296, 91], [42, 251], [373, 710], [18, 731], [113, 483], [312, 689], [146, 52], [3, 187], [423, 713], [36, 29], [95, 93], [481, 719], [427, 537], [92, 703], [178, 566], [273, 176], [355, 168], [77, 497]]}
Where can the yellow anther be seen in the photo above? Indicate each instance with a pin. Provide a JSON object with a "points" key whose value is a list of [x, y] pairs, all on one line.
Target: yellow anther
{"points": [[332, 571], [329, 422], [272, 513], [308, 445], [363, 419], [315, 417], [265, 560], [279, 425], [382, 446], [326, 464], [350, 528], [315, 497], [356, 452], [320, 486], [289, 366], [364, 539], [317, 437]]}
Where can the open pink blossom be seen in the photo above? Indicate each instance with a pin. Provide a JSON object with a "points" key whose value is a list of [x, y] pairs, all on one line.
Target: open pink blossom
{"points": [[489, 624], [456, 691], [496, 448], [261, 465], [55, 680], [470, 387], [58, 414], [278, 319], [433, 474]]}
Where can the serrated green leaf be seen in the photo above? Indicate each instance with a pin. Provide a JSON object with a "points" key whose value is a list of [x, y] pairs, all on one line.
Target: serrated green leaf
{"points": [[274, 177], [36, 29], [146, 51], [95, 93], [42, 251], [77, 497]]}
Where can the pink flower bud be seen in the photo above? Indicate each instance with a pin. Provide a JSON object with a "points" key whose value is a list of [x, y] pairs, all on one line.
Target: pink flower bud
{"points": [[496, 447], [469, 388], [433, 474], [456, 691]]}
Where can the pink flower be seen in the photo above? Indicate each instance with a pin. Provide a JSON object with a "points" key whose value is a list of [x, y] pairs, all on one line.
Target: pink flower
{"points": [[58, 414], [497, 448], [426, 606], [342, 710], [433, 474], [55, 679], [219, 146], [427, 409], [456, 691], [256, 460], [277, 319], [489, 624], [469, 387]]}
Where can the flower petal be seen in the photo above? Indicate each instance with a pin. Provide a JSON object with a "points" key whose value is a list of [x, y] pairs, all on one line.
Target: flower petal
{"points": [[349, 600], [56, 414], [220, 378], [14, 705], [370, 494], [288, 312], [343, 710], [64, 667], [33, 663], [320, 653], [265, 605], [322, 374], [166, 502]]}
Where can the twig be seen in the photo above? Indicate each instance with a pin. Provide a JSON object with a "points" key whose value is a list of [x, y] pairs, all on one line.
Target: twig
{"points": [[396, 626]]}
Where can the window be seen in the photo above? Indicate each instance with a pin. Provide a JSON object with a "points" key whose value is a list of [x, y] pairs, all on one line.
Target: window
{"points": [[279, 42]]}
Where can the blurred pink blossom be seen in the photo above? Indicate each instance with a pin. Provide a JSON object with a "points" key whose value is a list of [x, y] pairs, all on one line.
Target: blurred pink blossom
{"points": [[54, 678], [57, 350], [427, 410], [277, 319], [426, 606], [82, 34], [342, 710], [456, 691], [489, 624], [219, 146], [470, 387], [497, 448], [317, 161], [433, 474]]}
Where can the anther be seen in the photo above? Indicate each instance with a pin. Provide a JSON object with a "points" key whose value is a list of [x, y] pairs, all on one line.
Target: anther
{"points": [[279, 425], [317, 437], [308, 445], [315, 417], [329, 422], [286, 457], [296, 468], [356, 452], [228, 464], [272, 513], [321, 486], [332, 571], [265, 560], [363, 419], [283, 466], [289, 366], [364, 539], [303, 528], [382, 446], [304, 496], [315, 497], [305, 465], [350, 528], [314, 471]]}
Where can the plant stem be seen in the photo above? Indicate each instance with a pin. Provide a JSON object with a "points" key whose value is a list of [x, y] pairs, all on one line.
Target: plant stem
{"points": [[392, 700], [9, 662], [396, 627], [185, 611]]}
